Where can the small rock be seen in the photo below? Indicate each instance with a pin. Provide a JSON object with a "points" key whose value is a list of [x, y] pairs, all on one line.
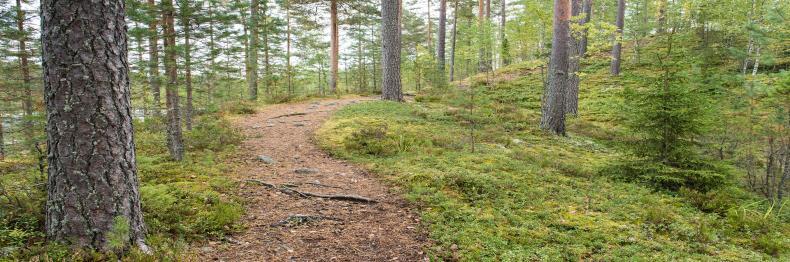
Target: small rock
{"points": [[305, 171], [266, 159], [517, 141], [331, 104], [270, 125], [454, 247], [298, 124], [206, 249], [256, 127], [315, 103]]}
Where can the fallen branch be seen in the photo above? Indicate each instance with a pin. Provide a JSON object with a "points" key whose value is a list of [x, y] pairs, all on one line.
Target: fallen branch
{"points": [[289, 115], [292, 191], [322, 185]]}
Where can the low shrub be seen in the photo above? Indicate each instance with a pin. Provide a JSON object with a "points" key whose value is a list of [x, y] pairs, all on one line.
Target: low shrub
{"points": [[700, 176], [238, 107], [212, 133]]}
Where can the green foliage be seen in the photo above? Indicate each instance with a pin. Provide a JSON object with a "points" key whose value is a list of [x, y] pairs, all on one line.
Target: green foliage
{"points": [[189, 210], [242, 107], [118, 237], [702, 176], [212, 133]]}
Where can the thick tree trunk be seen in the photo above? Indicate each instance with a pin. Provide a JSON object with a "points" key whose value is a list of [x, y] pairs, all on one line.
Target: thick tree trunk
{"points": [[441, 38], [452, 45], [334, 45], [175, 143], [153, 56], [587, 10], [618, 38], [252, 72], [553, 111], [390, 51], [92, 187], [572, 95]]}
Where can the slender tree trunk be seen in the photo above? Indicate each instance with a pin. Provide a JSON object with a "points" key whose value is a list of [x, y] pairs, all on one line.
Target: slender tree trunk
{"points": [[153, 56], [455, 33], [390, 51], [481, 18], [266, 65], [553, 111], [441, 38], [27, 101], [618, 38], [662, 16], [572, 96], [430, 27], [175, 143], [587, 10], [186, 20], [212, 50], [334, 45], [141, 65], [92, 187], [288, 47], [504, 52], [373, 60], [252, 72]]}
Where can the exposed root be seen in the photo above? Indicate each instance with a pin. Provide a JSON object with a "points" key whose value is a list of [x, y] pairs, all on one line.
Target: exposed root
{"points": [[289, 115], [287, 190]]}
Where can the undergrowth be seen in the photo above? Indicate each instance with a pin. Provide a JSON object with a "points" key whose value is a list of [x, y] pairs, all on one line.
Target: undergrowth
{"points": [[524, 195], [186, 201]]}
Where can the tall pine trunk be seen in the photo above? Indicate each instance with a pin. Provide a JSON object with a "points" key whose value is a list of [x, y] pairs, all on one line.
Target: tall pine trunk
{"points": [[553, 111], [2, 138], [24, 66], [618, 38], [252, 72], [441, 38], [186, 19], [288, 47], [267, 73], [334, 45], [452, 45], [175, 142], [572, 95], [390, 51], [587, 10], [153, 56], [92, 187]]}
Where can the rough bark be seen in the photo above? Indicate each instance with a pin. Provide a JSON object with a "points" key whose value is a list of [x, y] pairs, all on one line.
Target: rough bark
{"points": [[212, 51], [390, 51], [186, 20], [572, 96], [267, 73], [587, 10], [175, 142], [553, 111], [453, 43], [92, 183], [153, 56], [334, 45], [618, 37], [288, 48], [441, 38], [252, 72]]}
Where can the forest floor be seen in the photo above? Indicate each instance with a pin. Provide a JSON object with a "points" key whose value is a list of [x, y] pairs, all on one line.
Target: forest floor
{"points": [[286, 182]]}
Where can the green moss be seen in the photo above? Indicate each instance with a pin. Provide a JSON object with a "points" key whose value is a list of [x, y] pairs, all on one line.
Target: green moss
{"points": [[524, 195]]}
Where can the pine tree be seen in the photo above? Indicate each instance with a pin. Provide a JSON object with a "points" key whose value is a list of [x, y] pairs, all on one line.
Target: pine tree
{"points": [[175, 142], [92, 183], [553, 111], [618, 38], [390, 49]]}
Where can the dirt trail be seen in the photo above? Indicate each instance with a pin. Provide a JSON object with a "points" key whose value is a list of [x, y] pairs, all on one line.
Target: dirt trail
{"points": [[327, 230]]}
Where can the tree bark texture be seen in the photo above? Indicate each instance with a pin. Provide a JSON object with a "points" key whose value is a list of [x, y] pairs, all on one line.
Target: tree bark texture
{"points": [[441, 37], [390, 51], [504, 53], [175, 142], [153, 56], [553, 111], [186, 20], [2, 138], [572, 96], [618, 38], [92, 183]]}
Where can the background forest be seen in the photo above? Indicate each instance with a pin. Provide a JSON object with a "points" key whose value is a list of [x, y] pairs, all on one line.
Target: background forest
{"points": [[678, 146]]}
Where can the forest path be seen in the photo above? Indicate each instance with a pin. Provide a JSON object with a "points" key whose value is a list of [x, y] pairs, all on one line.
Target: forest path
{"points": [[283, 224]]}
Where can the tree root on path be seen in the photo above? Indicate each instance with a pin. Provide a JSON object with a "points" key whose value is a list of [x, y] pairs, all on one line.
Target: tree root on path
{"points": [[295, 220], [287, 190], [287, 115]]}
